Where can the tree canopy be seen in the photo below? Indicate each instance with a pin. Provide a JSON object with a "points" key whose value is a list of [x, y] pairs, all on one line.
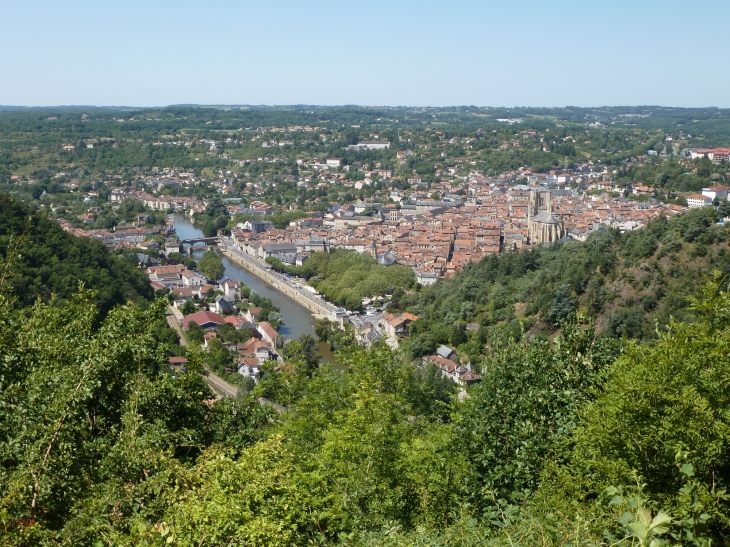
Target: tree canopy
{"points": [[43, 260], [346, 277], [211, 265], [602, 433], [578, 441]]}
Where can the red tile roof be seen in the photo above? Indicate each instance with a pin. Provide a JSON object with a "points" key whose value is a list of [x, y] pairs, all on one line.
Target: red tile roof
{"points": [[203, 317]]}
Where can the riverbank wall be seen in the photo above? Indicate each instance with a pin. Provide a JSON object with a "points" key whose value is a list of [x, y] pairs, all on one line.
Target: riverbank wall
{"points": [[318, 309]]}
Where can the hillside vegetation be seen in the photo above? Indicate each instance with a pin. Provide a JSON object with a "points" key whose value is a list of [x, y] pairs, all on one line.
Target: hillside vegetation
{"points": [[630, 284], [45, 261], [573, 439], [578, 442]]}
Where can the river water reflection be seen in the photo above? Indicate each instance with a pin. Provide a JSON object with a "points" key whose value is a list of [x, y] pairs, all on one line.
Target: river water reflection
{"points": [[297, 319]]}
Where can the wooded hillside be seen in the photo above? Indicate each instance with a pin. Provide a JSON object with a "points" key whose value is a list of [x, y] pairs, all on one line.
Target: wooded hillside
{"points": [[44, 261], [572, 439]]}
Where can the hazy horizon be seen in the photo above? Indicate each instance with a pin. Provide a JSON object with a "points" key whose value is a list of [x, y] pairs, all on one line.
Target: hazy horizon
{"points": [[329, 106]]}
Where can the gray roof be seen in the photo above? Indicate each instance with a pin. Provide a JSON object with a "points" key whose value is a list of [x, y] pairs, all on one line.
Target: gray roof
{"points": [[386, 259], [546, 218], [280, 247], [444, 352], [147, 260]]}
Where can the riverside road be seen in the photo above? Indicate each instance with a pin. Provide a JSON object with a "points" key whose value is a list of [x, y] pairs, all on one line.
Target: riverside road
{"points": [[311, 301]]}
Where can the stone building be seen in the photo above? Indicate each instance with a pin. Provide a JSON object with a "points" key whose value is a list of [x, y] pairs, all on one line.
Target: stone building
{"points": [[543, 227]]}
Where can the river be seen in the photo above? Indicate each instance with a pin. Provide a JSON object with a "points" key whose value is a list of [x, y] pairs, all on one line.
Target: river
{"points": [[297, 319]]}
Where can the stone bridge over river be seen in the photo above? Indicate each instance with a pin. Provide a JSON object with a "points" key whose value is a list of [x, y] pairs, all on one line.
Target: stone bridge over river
{"points": [[206, 240], [189, 244]]}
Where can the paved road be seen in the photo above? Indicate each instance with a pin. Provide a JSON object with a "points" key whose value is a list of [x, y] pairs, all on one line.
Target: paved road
{"points": [[173, 317], [231, 391]]}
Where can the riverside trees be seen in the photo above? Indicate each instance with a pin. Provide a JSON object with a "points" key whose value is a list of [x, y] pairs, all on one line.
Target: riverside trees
{"points": [[346, 277], [211, 265]]}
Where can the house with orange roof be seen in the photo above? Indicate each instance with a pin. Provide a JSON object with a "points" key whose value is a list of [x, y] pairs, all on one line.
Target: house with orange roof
{"points": [[268, 333]]}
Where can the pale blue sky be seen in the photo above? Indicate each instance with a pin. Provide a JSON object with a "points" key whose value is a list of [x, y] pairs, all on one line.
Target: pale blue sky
{"points": [[508, 53]]}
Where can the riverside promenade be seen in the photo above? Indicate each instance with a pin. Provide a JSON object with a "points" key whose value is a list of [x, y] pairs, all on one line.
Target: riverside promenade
{"points": [[317, 305]]}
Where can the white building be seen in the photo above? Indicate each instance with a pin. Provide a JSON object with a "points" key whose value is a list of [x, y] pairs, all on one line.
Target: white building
{"points": [[232, 288], [426, 278], [696, 201], [191, 279], [371, 145], [719, 192]]}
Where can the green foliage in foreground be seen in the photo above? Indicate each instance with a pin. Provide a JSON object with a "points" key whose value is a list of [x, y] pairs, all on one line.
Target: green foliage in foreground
{"points": [[562, 444], [346, 277]]}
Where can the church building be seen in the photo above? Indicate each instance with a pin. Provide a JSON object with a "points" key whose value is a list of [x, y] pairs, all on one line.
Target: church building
{"points": [[543, 227]]}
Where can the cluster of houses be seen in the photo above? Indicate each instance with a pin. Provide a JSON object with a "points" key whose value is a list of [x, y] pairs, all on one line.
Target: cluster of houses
{"points": [[132, 235], [187, 285], [438, 238], [261, 346], [461, 374], [253, 353], [435, 228]]}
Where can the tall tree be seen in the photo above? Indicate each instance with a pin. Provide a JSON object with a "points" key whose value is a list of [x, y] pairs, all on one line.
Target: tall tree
{"points": [[211, 265]]}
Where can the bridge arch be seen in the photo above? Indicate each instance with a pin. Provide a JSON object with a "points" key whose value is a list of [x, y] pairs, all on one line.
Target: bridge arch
{"points": [[206, 240]]}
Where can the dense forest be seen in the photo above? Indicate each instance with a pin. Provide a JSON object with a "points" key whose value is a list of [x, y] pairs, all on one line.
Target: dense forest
{"points": [[672, 176], [43, 261]]}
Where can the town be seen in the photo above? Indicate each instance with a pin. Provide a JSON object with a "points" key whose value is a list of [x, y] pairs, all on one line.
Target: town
{"points": [[285, 274], [435, 231], [431, 200]]}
